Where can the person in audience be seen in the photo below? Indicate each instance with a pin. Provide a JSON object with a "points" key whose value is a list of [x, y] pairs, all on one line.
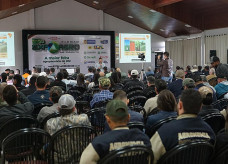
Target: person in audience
{"points": [[199, 83], [187, 127], [188, 83], [32, 87], [11, 95], [100, 65], [134, 116], [194, 69], [3, 77], [7, 71], [105, 94], [69, 116], [206, 70], [200, 70], [17, 80], [219, 67], [55, 94], [222, 87], [150, 90], [71, 83], [2, 101], [177, 68], [105, 70], [117, 117], [52, 72], [166, 103], [176, 86], [58, 82], [115, 81], [101, 74], [49, 76], [11, 73], [151, 103], [134, 81], [110, 73], [41, 95], [94, 81], [164, 67], [89, 75], [81, 80], [188, 72], [128, 78], [149, 72], [205, 83], [25, 75], [17, 71], [207, 97], [122, 75]]}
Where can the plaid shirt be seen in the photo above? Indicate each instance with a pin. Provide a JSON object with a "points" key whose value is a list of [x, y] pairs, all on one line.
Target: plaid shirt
{"points": [[103, 95]]}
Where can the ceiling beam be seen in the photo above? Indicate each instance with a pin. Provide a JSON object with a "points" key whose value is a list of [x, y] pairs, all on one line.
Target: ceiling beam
{"points": [[162, 3]]}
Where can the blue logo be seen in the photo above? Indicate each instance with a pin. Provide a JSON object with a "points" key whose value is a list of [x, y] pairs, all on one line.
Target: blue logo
{"points": [[89, 41], [104, 41]]}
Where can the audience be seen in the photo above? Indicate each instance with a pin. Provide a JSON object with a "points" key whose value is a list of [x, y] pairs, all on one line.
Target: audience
{"points": [[3, 77], [207, 97], [69, 116], [105, 94], [52, 72], [31, 88], [55, 94], [2, 101], [186, 128], [117, 117], [166, 103], [206, 70], [58, 82], [149, 72], [150, 90], [89, 75], [17, 80], [188, 83], [41, 95], [94, 81], [151, 103], [221, 69], [176, 86], [134, 81], [11, 95], [222, 87], [188, 72]]}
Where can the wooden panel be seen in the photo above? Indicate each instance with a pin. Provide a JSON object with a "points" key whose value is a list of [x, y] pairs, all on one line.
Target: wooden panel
{"points": [[161, 3]]}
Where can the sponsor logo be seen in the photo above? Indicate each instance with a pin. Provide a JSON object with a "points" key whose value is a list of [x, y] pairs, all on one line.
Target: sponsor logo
{"points": [[98, 47], [88, 62], [89, 41], [53, 47], [104, 41], [106, 62]]}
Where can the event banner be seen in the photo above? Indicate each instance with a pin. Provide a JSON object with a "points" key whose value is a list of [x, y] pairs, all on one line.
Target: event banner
{"points": [[7, 53], [132, 45], [68, 51]]}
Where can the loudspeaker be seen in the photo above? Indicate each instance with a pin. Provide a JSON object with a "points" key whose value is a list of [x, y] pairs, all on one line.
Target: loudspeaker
{"points": [[212, 53]]}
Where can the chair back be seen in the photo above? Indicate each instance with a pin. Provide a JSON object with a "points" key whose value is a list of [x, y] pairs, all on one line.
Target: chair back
{"points": [[74, 93], [38, 107], [134, 154], [137, 100], [135, 93], [101, 104], [16, 123], [215, 120], [220, 104], [150, 132], [221, 157], [153, 111], [138, 125], [68, 143], [30, 145], [151, 94], [53, 115], [195, 152], [134, 88], [97, 119], [82, 106]]}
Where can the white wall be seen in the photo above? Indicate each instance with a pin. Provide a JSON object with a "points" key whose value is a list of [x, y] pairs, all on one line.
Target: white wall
{"points": [[70, 15], [15, 24], [216, 31]]}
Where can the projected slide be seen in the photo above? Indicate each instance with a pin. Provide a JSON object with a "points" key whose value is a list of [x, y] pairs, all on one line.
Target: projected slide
{"points": [[131, 45], [7, 55]]}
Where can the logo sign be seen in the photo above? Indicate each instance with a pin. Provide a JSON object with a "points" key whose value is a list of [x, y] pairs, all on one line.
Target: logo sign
{"points": [[89, 41], [98, 47], [53, 47], [104, 41]]}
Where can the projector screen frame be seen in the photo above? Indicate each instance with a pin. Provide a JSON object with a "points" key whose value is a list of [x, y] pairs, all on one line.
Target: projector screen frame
{"points": [[25, 33]]}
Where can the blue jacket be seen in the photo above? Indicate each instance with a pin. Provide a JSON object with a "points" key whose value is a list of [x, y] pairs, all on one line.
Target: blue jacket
{"points": [[221, 88], [40, 97]]}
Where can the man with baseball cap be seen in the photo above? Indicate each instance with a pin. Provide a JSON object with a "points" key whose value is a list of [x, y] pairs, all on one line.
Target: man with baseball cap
{"points": [[105, 94], [188, 83], [69, 116], [219, 67], [222, 86], [134, 80], [117, 117]]}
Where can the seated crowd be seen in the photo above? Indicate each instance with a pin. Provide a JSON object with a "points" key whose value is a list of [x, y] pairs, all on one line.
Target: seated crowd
{"points": [[185, 102]]}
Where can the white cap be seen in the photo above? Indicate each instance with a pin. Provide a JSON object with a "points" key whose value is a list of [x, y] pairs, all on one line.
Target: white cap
{"points": [[134, 72], [66, 102]]}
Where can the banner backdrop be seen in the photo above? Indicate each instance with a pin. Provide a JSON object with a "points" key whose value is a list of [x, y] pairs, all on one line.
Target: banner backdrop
{"points": [[68, 51]]}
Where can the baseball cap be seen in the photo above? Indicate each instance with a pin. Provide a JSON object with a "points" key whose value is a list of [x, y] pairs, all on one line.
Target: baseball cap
{"points": [[66, 102], [134, 72], [214, 59], [180, 73], [188, 81], [113, 109], [204, 91], [104, 81]]}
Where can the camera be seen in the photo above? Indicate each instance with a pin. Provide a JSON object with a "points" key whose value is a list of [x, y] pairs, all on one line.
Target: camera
{"points": [[141, 56]]}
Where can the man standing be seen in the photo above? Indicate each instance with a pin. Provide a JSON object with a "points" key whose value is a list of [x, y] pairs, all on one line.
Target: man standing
{"points": [[219, 67], [187, 127], [117, 117], [166, 67], [100, 65]]}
